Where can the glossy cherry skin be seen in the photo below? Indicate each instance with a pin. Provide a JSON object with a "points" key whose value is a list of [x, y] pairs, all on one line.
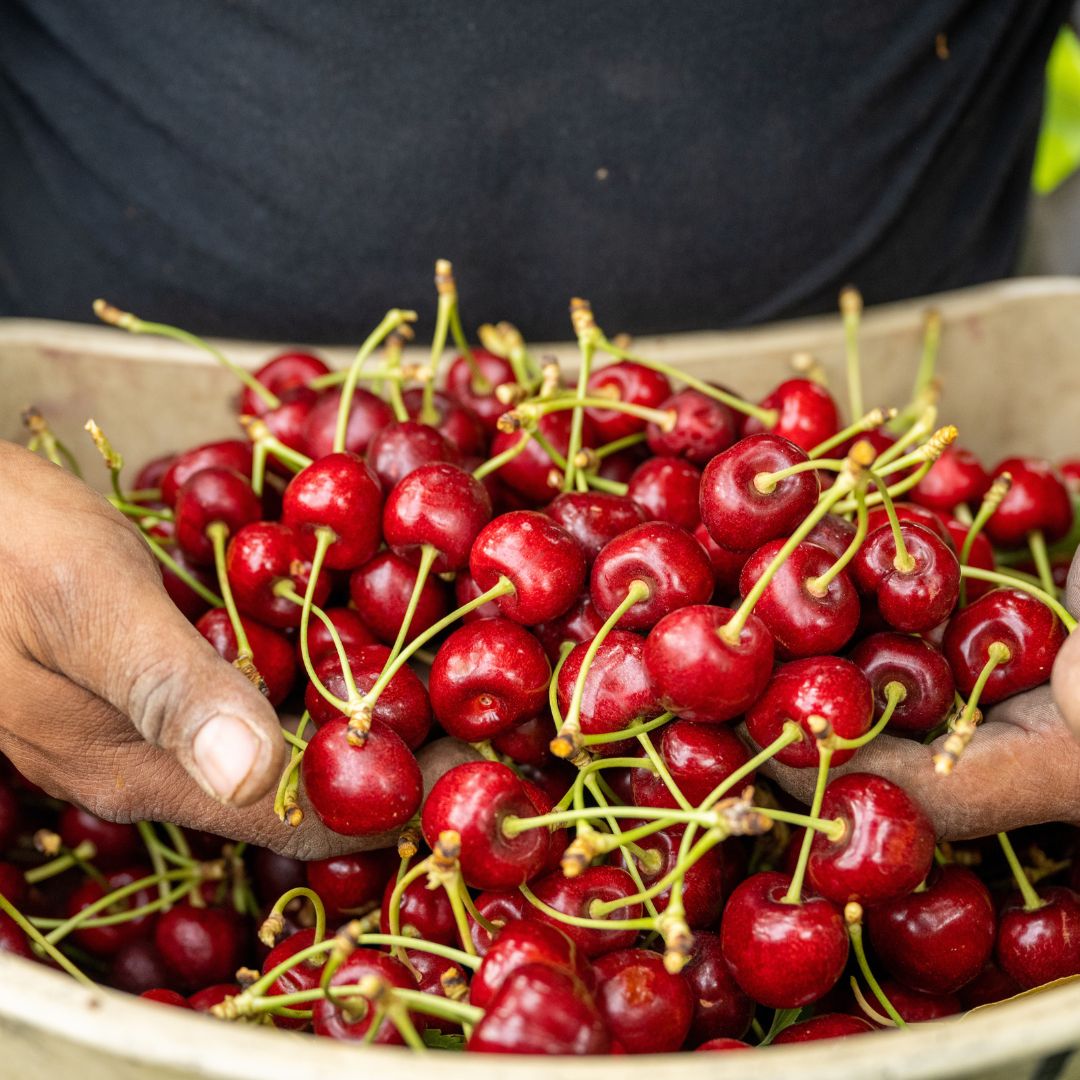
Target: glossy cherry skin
{"points": [[116, 844], [108, 940], [349, 884], [668, 559], [782, 955], [697, 674], [825, 686], [232, 454], [581, 622], [339, 492], [474, 800], [200, 946], [437, 504], [699, 757], [826, 1026], [738, 516], [540, 558], [488, 676], [647, 1009], [331, 1020], [593, 518], [628, 382], [921, 669], [302, 976], [833, 533], [909, 512], [381, 590], [915, 600], [529, 474], [807, 413], [212, 495], [887, 847], [527, 743], [271, 652], [1037, 499], [980, 556], [424, 913], [368, 415], [403, 446], [361, 790], [281, 375], [703, 427], [526, 942], [352, 630], [939, 939], [459, 426], [957, 477], [153, 472], [501, 908], [483, 404], [1037, 947], [465, 590], [721, 1009], [541, 1010], [574, 896], [802, 623], [668, 489], [727, 565], [1026, 626]]}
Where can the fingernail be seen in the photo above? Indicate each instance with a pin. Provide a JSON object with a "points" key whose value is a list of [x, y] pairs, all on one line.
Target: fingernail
{"points": [[225, 751]]}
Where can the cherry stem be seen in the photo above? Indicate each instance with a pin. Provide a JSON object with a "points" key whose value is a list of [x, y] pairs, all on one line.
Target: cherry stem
{"points": [[43, 438], [924, 377], [853, 918], [447, 303], [284, 588], [819, 586], [833, 828], [218, 533], [156, 851], [895, 692], [577, 420], [582, 921], [77, 856], [765, 482], [565, 649], [663, 418], [258, 468], [851, 310], [870, 422], [132, 510], [162, 903], [963, 729], [193, 583], [393, 906], [618, 445], [499, 460], [391, 321], [286, 806], [1032, 900], [317, 905], [990, 502], [512, 826], [642, 727], [812, 823], [875, 498], [1037, 545], [902, 560], [477, 917], [481, 384], [663, 773], [336, 378], [428, 554], [976, 574], [921, 427], [41, 941]]}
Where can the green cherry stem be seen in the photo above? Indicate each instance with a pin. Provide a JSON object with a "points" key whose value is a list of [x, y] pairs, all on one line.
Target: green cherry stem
{"points": [[275, 916], [582, 921], [895, 692], [924, 377], [260, 435], [1032, 900], [819, 586], [512, 826], [444, 283], [990, 502], [192, 582], [962, 729], [766, 482], [618, 445], [584, 325], [870, 422], [218, 534], [662, 771], [284, 588], [975, 574], [1041, 558], [43, 439], [853, 914], [794, 893], [41, 941], [428, 555], [641, 727], [286, 806], [851, 305], [77, 856], [508, 455], [902, 561]]}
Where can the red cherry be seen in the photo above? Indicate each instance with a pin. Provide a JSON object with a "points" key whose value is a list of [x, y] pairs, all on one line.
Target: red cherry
{"points": [[166, 997], [107, 940], [232, 454], [990, 985], [403, 446], [381, 590], [424, 913], [352, 630], [349, 884], [368, 415], [593, 518], [913, 1006], [271, 652], [281, 375], [807, 413], [212, 495], [1037, 947], [723, 1044], [721, 1009], [957, 477], [887, 847], [826, 1026], [482, 403], [361, 790], [668, 489], [500, 908], [528, 473], [833, 533], [699, 757], [204, 1000], [575, 896], [703, 427], [646, 1008], [727, 565], [302, 976], [528, 743], [200, 945], [627, 382], [189, 602], [459, 426], [783, 955], [465, 589], [12, 883], [737, 513], [433, 973], [909, 512], [330, 1019], [153, 472], [1037, 500], [543, 802], [577, 624], [980, 556], [115, 844]]}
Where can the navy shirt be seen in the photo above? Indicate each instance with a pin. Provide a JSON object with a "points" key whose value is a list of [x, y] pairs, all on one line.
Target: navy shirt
{"points": [[291, 170]]}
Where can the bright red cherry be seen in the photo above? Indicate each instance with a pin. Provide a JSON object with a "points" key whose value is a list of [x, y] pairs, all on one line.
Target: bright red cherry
{"points": [[466, 590], [189, 602], [575, 896], [501, 908], [721, 1009], [212, 495], [271, 652], [1037, 947], [281, 375], [368, 415], [329, 1018], [523, 942], [593, 518], [1037, 500], [480, 400], [302, 976], [529, 474], [200, 945], [833, 533], [825, 1026], [699, 757], [703, 427], [723, 1044], [980, 556], [957, 477], [914, 514], [232, 454], [351, 884], [164, 996], [627, 382], [528, 743], [807, 413], [381, 590], [403, 446], [668, 489], [646, 1008]]}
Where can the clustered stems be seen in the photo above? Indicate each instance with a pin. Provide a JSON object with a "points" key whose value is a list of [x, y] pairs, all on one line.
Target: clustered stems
{"points": [[1010, 582], [870, 422], [853, 914], [44, 440], [819, 586], [963, 729], [794, 893]]}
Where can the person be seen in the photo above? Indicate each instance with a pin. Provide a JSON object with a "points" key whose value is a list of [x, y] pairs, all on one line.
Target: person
{"points": [[290, 172]]}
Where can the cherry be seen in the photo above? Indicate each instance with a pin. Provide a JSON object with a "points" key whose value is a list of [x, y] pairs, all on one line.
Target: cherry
{"points": [[271, 652], [212, 495], [204, 1000], [823, 686], [260, 555], [350, 884], [528, 743], [699, 758], [825, 1026], [115, 844], [232, 454], [919, 668], [466, 590], [275, 874], [1036, 501], [620, 466], [541, 1010], [646, 1008], [727, 565], [913, 1006], [523, 942], [939, 939], [956, 478], [912, 594], [575, 896], [807, 413], [403, 446], [543, 802], [703, 427], [887, 847], [529, 473], [12, 883], [833, 533], [1036, 947], [488, 676], [909, 512], [200, 945], [668, 489], [281, 375], [164, 996], [361, 790], [803, 618], [501, 908], [990, 985], [459, 426], [579, 623], [482, 403], [341, 493], [542, 561], [302, 976], [423, 913], [723, 1044], [981, 556], [108, 940], [697, 673], [593, 518], [783, 955], [153, 472], [336, 1019], [352, 630], [721, 1009], [368, 415], [12, 939], [741, 509], [1028, 628], [382, 588], [628, 382]]}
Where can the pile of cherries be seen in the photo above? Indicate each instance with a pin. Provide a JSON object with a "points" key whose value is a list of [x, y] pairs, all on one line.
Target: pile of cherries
{"points": [[609, 603]]}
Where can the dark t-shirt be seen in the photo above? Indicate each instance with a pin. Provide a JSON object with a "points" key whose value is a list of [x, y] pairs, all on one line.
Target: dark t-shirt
{"points": [[291, 170]]}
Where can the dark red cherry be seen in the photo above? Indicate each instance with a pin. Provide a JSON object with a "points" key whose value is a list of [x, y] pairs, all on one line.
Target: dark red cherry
{"points": [[721, 1009], [919, 668], [579, 623], [116, 844], [274, 874], [488, 676], [887, 847], [481, 401], [833, 533], [911, 600], [341, 493], [302, 976], [232, 454], [628, 382], [783, 955], [990, 985], [807, 413], [703, 427], [668, 489], [826, 1026], [12, 883], [913, 1006], [368, 415], [271, 652], [153, 472], [1026, 626], [939, 939], [543, 801], [1037, 947], [739, 515], [200, 945], [433, 975], [541, 559], [349, 884], [699, 757], [500, 908], [381, 590], [437, 504], [804, 619], [980, 556], [541, 1010], [12, 939], [424, 913], [281, 375], [361, 790], [575, 896], [529, 473], [1037, 499], [620, 466], [697, 673], [646, 1008], [957, 477], [528, 743], [190, 603], [403, 446], [108, 940], [331, 1019], [352, 630], [825, 686], [459, 426], [204, 1000], [727, 565], [524, 942], [593, 518], [212, 495]]}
